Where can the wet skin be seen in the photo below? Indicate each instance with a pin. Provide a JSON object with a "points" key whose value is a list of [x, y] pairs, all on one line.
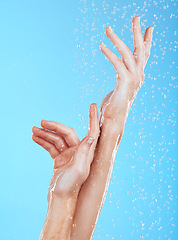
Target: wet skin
{"points": [[72, 160], [114, 110]]}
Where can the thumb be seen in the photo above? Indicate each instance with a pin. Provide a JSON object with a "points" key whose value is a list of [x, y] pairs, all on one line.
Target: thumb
{"points": [[84, 149], [81, 159], [64, 158]]}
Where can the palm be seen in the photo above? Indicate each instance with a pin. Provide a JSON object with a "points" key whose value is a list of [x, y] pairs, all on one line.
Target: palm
{"points": [[63, 168], [130, 70], [72, 157]]}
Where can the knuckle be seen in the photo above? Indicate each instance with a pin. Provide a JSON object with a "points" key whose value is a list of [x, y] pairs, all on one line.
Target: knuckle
{"points": [[71, 132], [50, 149], [56, 140], [55, 128]]}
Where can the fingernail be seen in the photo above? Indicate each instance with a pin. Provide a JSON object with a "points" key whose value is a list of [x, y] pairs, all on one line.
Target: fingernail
{"points": [[90, 140], [43, 121], [92, 106], [102, 45], [34, 127], [110, 28], [152, 29]]}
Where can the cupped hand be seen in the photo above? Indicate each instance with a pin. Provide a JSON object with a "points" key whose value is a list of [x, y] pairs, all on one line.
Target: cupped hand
{"points": [[130, 70], [72, 157]]}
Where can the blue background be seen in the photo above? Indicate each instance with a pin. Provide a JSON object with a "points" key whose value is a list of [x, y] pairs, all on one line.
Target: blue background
{"points": [[51, 67]]}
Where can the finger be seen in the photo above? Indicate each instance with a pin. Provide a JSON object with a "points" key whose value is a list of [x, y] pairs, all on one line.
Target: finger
{"points": [[139, 49], [81, 157], [47, 146], [116, 62], [51, 137], [67, 133], [85, 152], [147, 42], [125, 52], [93, 130]]}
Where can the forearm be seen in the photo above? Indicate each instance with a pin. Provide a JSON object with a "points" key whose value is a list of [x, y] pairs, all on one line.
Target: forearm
{"points": [[93, 192], [59, 219], [116, 105]]}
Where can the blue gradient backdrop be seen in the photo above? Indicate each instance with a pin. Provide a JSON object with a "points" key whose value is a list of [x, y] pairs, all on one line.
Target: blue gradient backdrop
{"points": [[51, 67]]}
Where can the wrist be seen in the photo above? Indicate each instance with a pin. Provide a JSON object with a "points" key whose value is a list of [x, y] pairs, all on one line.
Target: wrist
{"points": [[115, 114], [56, 199], [62, 194], [112, 129], [114, 121], [62, 202]]}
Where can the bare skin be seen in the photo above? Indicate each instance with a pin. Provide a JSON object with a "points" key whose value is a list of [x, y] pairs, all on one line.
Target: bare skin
{"points": [[72, 160], [114, 111]]}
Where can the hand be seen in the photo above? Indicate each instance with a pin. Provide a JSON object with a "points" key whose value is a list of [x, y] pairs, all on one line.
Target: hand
{"points": [[130, 70], [72, 158]]}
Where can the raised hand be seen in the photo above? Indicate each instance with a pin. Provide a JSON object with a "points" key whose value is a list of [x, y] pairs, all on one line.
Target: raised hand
{"points": [[114, 110], [72, 157], [130, 70]]}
